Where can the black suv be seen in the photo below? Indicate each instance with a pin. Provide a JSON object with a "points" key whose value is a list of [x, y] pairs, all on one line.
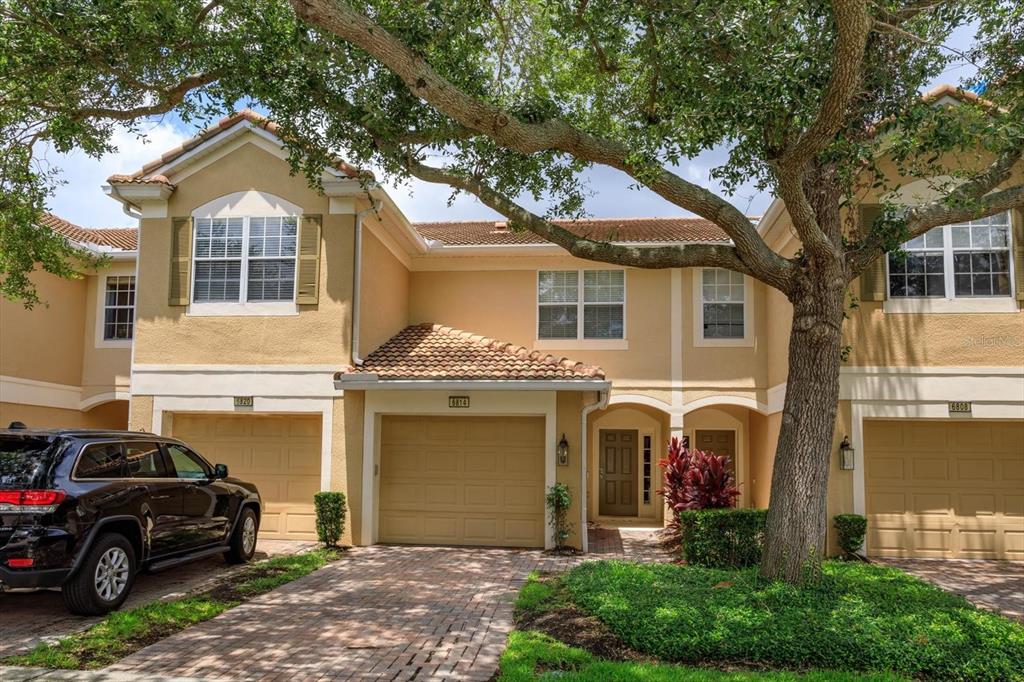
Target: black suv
{"points": [[86, 510]]}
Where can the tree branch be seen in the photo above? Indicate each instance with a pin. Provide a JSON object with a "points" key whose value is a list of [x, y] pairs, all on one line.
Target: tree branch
{"points": [[689, 255], [424, 82], [166, 100]]}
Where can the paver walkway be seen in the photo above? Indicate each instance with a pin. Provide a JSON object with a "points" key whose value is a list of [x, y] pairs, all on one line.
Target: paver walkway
{"points": [[381, 612], [29, 617], [994, 585]]}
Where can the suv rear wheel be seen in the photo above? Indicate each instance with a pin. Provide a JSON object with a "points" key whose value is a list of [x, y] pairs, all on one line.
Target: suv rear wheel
{"points": [[105, 578]]}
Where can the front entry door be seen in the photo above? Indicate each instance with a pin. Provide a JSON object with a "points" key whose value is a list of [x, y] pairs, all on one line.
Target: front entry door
{"points": [[617, 473], [719, 443]]}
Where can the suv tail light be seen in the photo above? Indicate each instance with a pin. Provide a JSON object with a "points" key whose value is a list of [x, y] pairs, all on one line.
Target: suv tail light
{"points": [[30, 501]]}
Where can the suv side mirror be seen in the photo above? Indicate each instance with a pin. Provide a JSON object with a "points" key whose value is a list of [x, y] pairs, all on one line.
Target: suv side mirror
{"points": [[220, 471]]}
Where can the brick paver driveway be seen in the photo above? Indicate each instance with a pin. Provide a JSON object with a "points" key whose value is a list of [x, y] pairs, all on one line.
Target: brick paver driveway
{"points": [[26, 618], [381, 612], [994, 585]]}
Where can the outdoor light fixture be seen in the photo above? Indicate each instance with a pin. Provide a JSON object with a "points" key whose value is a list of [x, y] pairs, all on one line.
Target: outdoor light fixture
{"points": [[563, 452], [846, 454]]}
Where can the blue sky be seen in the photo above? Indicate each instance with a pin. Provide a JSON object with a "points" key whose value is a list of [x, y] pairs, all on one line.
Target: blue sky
{"points": [[81, 200]]}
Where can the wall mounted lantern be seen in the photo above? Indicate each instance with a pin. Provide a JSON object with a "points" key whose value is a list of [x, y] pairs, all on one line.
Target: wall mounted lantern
{"points": [[846, 454], [563, 452]]}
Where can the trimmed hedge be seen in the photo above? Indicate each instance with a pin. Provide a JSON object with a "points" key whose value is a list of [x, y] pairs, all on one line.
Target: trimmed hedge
{"points": [[722, 538], [330, 517], [851, 529]]}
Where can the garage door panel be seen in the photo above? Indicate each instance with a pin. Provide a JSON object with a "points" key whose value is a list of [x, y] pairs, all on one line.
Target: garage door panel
{"points": [[467, 480], [958, 499], [280, 454]]}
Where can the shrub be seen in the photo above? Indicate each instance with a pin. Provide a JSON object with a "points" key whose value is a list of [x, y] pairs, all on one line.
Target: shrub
{"points": [[851, 529], [675, 464], [558, 500], [709, 484], [722, 538], [330, 517]]}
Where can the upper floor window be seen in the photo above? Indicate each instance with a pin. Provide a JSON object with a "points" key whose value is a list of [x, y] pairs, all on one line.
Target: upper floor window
{"points": [[722, 304], [245, 259], [565, 297], [965, 260], [119, 308]]}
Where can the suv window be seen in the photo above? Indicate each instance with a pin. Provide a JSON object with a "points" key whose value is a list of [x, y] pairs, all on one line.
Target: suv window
{"points": [[24, 461], [144, 460], [186, 463], [100, 460]]}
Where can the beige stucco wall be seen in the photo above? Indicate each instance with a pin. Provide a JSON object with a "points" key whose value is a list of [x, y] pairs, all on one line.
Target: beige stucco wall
{"points": [[764, 434], [385, 293], [112, 415], [45, 343], [104, 369], [319, 334], [347, 459], [568, 421]]}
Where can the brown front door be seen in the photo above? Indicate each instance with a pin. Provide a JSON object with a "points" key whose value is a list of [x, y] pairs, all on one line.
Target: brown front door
{"points": [[719, 443], [617, 473]]}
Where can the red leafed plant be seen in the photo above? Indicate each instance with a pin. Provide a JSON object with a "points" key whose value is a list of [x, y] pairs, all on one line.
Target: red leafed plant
{"points": [[708, 482], [695, 480]]}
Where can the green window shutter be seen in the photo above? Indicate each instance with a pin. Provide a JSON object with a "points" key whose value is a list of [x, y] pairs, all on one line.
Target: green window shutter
{"points": [[1017, 218], [181, 261], [872, 280], [307, 282]]}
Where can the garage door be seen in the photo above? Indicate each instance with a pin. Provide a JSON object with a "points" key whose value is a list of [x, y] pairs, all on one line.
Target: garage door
{"points": [[945, 489], [280, 454], [462, 481]]}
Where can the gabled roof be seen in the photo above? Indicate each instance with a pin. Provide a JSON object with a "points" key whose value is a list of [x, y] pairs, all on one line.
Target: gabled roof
{"points": [[434, 352], [626, 230], [147, 174], [120, 238]]}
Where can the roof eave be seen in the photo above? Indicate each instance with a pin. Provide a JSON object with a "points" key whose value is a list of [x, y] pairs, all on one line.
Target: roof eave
{"points": [[366, 381]]}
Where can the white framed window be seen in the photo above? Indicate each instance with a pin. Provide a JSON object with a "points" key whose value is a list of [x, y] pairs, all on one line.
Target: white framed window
{"points": [[119, 308], [244, 259], [581, 305], [722, 308], [954, 268]]}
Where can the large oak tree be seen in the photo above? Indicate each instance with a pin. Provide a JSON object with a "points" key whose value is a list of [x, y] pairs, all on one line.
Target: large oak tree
{"points": [[510, 99]]}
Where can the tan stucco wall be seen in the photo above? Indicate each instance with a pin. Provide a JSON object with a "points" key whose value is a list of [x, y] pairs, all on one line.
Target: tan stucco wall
{"points": [[385, 294], [112, 415], [840, 483], [140, 413], [502, 304], [347, 459], [764, 435], [568, 421], [45, 343], [319, 334], [103, 369]]}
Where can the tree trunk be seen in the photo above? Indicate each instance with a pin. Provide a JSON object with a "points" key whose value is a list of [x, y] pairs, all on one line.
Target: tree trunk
{"points": [[795, 534]]}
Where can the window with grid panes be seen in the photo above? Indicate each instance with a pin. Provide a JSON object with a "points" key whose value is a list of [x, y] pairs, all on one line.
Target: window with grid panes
{"points": [[722, 300], [119, 308], [565, 297], [245, 259]]}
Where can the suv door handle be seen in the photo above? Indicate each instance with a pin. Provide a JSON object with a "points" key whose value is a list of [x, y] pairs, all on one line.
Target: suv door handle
{"points": [[160, 497]]}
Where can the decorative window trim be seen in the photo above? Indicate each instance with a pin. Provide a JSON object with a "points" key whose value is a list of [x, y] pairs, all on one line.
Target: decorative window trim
{"points": [[698, 314], [580, 343], [114, 270], [247, 204], [950, 303]]}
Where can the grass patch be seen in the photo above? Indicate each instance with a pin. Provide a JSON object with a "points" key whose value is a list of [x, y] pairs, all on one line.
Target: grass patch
{"points": [[534, 656], [538, 596], [860, 617], [127, 631]]}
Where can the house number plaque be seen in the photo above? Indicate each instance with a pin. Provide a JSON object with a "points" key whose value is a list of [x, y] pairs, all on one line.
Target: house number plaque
{"points": [[960, 407], [243, 401], [458, 401]]}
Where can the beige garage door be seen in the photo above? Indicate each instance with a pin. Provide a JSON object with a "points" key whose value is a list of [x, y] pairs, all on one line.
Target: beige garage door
{"points": [[462, 481], [945, 489], [280, 454]]}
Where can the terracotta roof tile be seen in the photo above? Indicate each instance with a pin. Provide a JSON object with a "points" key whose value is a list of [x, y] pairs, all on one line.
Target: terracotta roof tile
{"points": [[431, 351], [123, 238], [144, 175], [639, 230]]}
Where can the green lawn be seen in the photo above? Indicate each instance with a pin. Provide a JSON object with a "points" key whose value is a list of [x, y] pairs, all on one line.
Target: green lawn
{"points": [[533, 656], [128, 630], [860, 617]]}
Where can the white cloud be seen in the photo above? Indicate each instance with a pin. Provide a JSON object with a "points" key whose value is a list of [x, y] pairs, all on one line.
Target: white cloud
{"points": [[80, 199]]}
